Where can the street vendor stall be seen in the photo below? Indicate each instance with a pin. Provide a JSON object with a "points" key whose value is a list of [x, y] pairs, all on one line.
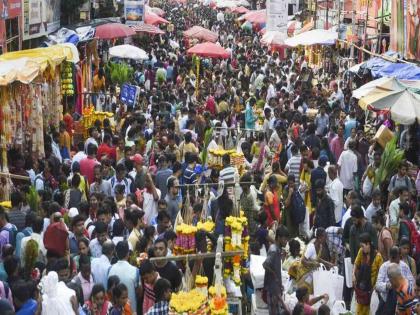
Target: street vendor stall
{"points": [[31, 97]]}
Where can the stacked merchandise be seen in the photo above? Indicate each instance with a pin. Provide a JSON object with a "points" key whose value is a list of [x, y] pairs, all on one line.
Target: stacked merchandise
{"points": [[67, 84]]}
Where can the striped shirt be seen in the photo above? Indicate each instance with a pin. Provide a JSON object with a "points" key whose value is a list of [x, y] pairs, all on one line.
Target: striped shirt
{"points": [[227, 174], [293, 167]]}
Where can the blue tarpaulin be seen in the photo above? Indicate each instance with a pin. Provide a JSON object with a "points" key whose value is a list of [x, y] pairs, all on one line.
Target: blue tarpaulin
{"points": [[382, 68]]}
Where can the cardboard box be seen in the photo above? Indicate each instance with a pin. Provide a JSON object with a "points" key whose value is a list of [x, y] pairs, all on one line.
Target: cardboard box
{"points": [[383, 135]]}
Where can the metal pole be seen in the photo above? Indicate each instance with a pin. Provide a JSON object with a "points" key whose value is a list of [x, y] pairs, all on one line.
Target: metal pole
{"points": [[196, 256], [353, 24], [379, 45]]}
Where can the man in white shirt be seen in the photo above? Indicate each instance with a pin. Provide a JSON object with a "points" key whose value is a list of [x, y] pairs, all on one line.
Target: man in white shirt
{"points": [[335, 191], [337, 96], [351, 198], [151, 196], [100, 266], [347, 166], [80, 155], [93, 135]]}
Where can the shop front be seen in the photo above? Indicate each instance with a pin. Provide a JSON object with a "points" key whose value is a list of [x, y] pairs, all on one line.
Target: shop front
{"points": [[10, 25]]}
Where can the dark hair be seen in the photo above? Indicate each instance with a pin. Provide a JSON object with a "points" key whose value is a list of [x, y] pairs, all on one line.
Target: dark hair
{"points": [[60, 264], [16, 198], [122, 249], [299, 309], [91, 149], [97, 288], [170, 182], [163, 215], [76, 219], [118, 227], [146, 267], [101, 227], [170, 235], [38, 224], [21, 290], [405, 241], [84, 260], [282, 232], [319, 232], [294, 248], [11, 264], [112, 281], [162, 240], [118, 290], [301, 292], [365, 238], [161, 286], [324, 309], [405, 207]]}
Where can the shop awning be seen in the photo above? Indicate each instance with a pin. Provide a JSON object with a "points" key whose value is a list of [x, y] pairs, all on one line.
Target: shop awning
{"points": [[26, 65], [314, 37]]}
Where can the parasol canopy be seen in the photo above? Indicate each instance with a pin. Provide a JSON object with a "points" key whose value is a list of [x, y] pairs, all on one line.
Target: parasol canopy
{"points": [[154, 19], [113, 30], [208, 49], [128, 52], [273, 38], [314, 37], [201, 33], [380, 85], [148, 29], [239, 10], [256, 16], [404, 105]]}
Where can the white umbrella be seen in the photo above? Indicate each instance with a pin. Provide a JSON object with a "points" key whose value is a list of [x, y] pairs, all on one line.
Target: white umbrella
{"points": [[313, 37], [274, 38], [382, 84], [128, 52], [404, 105]]}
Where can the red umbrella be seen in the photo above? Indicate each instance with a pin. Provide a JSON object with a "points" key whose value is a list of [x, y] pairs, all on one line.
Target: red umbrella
{"points": [[148, 29], [201, 33], [208, 49], [113, 30], [154, 19], [239, 10]]}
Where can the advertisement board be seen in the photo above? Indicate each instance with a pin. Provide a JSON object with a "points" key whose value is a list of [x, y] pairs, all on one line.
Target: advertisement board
{"points": [[129, 94], [10, 9], [41, 17], [277, 13], [134, 12]]}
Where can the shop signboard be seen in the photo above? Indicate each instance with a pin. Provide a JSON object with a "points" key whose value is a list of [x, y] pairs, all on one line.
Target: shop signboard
{"points": [[277, 13], [134, 12], [41, 17], [10, 9], [129, 94]]}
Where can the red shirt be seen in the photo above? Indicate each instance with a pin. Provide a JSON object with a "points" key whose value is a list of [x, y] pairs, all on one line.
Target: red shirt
{"points": [[86, 168], [271, 199], [105, 149]]}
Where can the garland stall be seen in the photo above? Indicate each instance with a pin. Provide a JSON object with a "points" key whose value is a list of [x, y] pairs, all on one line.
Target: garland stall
{"points": [[30, 101]]}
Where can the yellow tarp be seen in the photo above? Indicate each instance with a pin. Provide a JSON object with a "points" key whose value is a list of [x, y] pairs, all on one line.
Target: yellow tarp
{"points": [[26, 65]]}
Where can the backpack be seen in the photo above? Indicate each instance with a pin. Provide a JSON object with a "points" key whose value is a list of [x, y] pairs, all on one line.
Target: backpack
{"points": [[394, 179], [298, 212], [414, 236], [12, 234]]}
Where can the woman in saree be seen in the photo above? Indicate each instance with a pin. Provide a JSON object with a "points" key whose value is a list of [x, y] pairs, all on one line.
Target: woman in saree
{"points": [[365, 273], [316, 253]]}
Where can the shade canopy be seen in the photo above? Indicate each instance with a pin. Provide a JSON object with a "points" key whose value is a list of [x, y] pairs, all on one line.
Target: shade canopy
{"points": [[313, 37], [201, 33], [113, 30], [208, 49], [239, 10], [154, 19], [273, 38], [128, 52], [148, 29], [404, 105], [256, 16]]}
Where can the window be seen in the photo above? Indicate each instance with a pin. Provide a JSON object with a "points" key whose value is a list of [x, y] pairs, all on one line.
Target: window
{"points": [[12, 34]]}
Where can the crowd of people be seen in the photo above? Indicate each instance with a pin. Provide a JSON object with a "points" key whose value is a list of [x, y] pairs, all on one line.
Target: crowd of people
{"points": [[79, 238]]}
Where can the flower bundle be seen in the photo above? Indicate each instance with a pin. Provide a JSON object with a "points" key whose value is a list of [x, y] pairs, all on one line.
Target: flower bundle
{"points": [[185, 241], [201, 283], [236, 238], [207, 226], [218, 302], [192, 303]]}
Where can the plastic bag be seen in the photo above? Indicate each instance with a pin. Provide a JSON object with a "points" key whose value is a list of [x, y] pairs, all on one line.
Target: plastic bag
{"points": [[374, 302], [257, 271], [328, 282], [348, 270], [338, 308]]}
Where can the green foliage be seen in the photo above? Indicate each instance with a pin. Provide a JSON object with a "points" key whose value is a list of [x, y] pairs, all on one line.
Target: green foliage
{"points": [[390, 160], [119, 73], [207, 138], [33, 199]]}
